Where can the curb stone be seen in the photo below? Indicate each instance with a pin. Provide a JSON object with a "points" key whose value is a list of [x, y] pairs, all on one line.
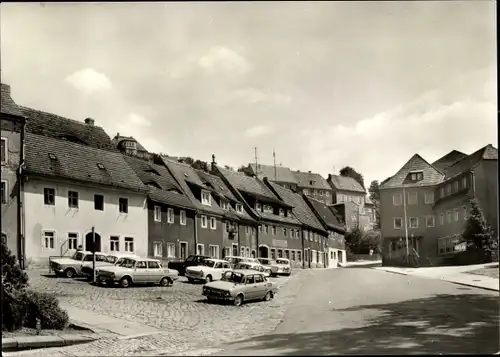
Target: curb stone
{"points": [[32, 342], [472, 286]]}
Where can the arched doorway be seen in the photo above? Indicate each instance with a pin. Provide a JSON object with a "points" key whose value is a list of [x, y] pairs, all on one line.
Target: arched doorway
{"points": [[89, 242], [263, 251]]}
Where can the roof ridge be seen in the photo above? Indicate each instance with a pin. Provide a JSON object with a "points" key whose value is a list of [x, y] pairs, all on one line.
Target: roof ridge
{"points": [[73, 143], [60, 116]]}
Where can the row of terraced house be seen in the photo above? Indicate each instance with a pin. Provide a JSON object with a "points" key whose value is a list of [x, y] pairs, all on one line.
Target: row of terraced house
{"points": [[66, 183]]}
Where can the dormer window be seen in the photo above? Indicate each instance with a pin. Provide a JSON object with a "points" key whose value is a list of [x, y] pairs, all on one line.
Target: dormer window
{"points": [[282, 212], [258, 207], [206, 199], [416, 175], [52, 157], [100, 166], [239, 208], [289, 213], [268, 209], [311, 183], [224, 205]]}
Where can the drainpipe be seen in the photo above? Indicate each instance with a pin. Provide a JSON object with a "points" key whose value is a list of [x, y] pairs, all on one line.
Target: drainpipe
{"points": [[196, 216], [303, 251], [21, 244], [257, 240]]}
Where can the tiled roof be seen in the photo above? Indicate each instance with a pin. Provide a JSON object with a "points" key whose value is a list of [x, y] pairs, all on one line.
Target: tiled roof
{"points": [[276, 218], [431, 175], [300, 208], [304, 179], [283, 174], [55, 126], [7, 104], [485, 153], [168, 190], [79, 163], [448, 160], [368, 201], [250, 185], [344, 183], [186, 176], [118, 139], [325, 214]]}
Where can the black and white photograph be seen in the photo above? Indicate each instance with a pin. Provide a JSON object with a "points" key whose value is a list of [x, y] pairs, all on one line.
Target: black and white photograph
{"points": [[249, 178]]}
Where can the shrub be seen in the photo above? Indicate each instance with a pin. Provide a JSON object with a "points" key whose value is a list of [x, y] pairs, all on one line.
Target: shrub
{"points": [[46, 307], [13, 310], [13, 277]]}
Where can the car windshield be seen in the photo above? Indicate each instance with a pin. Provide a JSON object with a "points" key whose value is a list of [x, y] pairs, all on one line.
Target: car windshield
{"points": [[209, 263], [78, 256], [112, 259], [233, 277], [281, 261], [243, 266], [252, 260], [127, 263]]}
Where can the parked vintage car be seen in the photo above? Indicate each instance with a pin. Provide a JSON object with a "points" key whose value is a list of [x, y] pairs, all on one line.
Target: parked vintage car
{"points": [[70, 266], [271, 264], [233, 260], [254, 266], [192, 260], [211, 269], [284, 266], [239, 286], [111, 259], [137, 271]]}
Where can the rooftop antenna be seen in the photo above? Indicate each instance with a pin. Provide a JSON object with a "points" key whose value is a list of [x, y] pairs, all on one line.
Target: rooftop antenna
{"points": [[256, 164], [274, 157]]}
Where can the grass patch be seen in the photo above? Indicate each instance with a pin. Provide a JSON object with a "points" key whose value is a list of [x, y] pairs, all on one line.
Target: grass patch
{"points": [[491, 272]]}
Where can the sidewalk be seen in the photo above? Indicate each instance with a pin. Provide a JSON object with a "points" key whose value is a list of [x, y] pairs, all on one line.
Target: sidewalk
{"points": [[452, 274], [363, 263]]}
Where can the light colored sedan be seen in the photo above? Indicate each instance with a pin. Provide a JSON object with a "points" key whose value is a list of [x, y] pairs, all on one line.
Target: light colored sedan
{"points": [[137, 271], [211, 269], [239, 286], [254, 266], [111, 259], [72, 266]]}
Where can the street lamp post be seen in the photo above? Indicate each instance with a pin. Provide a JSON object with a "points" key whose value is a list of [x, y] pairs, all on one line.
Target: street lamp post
{"points": [[406, 224]]}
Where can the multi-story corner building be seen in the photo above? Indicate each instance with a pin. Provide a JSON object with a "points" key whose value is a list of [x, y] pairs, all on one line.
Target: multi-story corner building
{"points": [[171, 214], [370, 211], [314, 236], [313, 185], [12, 156], [239, 228], [280, 175], [335, 247], [209, 227], [435, 203], [473, 176], [347, 189], [72, 188], [278, 229]]}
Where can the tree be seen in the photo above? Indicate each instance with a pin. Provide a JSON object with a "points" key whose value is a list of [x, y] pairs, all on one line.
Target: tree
{"points": [[242, 168], [374, 194], [187, 160], [200, 165], [227, 167], [353, 240], [348, 171], [477, 232]]}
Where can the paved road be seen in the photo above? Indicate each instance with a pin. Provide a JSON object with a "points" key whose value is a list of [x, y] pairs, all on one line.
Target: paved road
{"points": [[365, 311]]}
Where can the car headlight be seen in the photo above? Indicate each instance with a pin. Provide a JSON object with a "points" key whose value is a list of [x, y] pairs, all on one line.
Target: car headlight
{"points": [[227, 293], [202, 273]]}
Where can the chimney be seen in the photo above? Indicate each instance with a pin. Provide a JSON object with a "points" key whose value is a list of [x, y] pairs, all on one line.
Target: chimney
{"points": [[309, 171], [213, 165], [117, 135], [89, 121]]}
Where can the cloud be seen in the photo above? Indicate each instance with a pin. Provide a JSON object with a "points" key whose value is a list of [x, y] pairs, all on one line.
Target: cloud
{"points": [[136, 119], [89, 81], [257, 131], [461, 115], [251, 95], [226, 59]]}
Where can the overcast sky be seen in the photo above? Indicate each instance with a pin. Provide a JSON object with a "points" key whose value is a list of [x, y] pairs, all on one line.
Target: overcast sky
{"points": [[327, 84]]}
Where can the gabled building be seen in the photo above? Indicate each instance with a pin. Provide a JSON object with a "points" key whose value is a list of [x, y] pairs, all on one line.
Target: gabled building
{"points": [[171, 214], [71, 188], [209, 217], [347, 189], [280, 175], [409, 193], [128, 145], [239, 228], [348, 213], [449, 159], [12, 157], [279, 229], [335, 252], [313, 185], [314, 241], [370, 211]]}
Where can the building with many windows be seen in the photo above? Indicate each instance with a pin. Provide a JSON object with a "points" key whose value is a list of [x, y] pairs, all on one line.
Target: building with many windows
{"points": [[313, 185]]}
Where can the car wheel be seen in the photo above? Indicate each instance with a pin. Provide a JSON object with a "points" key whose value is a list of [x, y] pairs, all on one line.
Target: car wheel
{"points": [[165, 282], [69, 273], [208, 279], [238, 300], [125, 282], [268, 296]]}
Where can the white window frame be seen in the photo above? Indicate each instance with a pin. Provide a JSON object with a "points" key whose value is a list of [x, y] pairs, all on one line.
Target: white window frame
{"points": [[285, 232], [112, 242], [410, 220], [55, 195], [54, 237], [170, 216], [281, 212], [206, 198], [69, 239], [169, 250], [456, 215], [198, 245], [204, 218], [427, 221], [187, 248], [126, 244], [216, 255], [258, 207], [213, 223], [464, 182], [157, 213], [232, 248], [448, 217], [465, 212], [247, 230], [441, 218], [157, 253], [413, 198], [103, 201], [182, 217], [77, 199], [242, 251], [397, 203], [6, 151], [394, 222], [128, 204], [266, 229], [239, 208], [273, 230], [5, 199], [429, 198], [327, 193]]}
